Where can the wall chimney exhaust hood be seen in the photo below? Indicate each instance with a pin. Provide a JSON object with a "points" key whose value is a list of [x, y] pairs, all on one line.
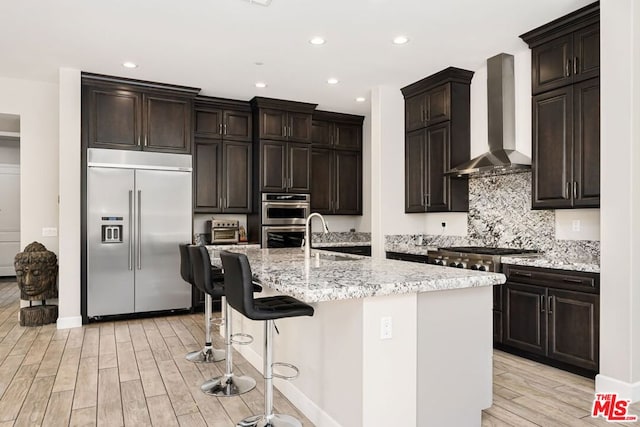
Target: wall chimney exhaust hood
{"points": [[502, 155]]}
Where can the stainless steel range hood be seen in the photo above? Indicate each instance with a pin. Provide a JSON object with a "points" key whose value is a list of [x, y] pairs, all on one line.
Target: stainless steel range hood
{"points": [[502, 155]]}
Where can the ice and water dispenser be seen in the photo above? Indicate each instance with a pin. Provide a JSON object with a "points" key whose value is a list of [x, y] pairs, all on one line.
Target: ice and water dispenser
{"points": [[112, 229]]}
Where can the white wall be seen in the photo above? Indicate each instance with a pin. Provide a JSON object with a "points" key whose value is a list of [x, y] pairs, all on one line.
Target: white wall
{"points": [[620, 199], [37, 105], [69, 224]]}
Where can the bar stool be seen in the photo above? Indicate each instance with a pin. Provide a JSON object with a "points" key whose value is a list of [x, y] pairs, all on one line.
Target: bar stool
{"points": [[228, 384], [237, 283], [208, 354]]}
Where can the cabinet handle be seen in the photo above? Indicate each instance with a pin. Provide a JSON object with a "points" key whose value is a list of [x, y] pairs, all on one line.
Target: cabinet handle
{"points": [[220, 202], [541, 303], [220, 128], [575, 65], [550, 305], [518, 273], [422, 115], [426, 198], [225, 129], [284, 131], [575, 189], [224, 202], [576, 281], [145, 140], [138, 140], [566, 190], [567, 68]]}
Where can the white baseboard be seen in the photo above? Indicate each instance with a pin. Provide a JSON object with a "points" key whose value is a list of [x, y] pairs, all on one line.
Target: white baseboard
{"points": [[625, 390], [313, 412], [69, 322]]}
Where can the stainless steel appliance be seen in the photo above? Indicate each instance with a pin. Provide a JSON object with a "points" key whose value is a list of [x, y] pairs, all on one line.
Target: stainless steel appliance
{"points": [[225, 231], [283, 219], [473, 257], [285, 209], [138, 211]]}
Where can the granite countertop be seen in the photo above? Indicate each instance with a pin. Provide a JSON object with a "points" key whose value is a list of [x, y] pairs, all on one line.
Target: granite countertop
{"points": [[331, 278], [405, 248], [553, 261], [215, 249]]}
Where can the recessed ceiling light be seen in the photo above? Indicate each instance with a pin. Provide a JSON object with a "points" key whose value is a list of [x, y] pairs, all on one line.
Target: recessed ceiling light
{"points": [[400, 40], [332, 81], [317, 41], [129, 65], [360, 99], [261, 85], [258, 63]]}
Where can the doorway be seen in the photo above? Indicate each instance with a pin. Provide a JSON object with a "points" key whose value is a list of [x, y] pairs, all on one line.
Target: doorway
{"points": [[9, 192]]}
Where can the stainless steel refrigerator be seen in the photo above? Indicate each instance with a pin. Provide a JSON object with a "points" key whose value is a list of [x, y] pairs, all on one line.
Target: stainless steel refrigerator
{"points": [[138, 211]]}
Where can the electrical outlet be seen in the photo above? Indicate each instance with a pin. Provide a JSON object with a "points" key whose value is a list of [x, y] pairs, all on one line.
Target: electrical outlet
{"points": [[386, 328], [444, 225], [49, 231], [575, 225]]}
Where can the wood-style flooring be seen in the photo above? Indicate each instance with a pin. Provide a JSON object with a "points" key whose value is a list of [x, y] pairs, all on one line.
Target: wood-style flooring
{"points": [[134, 373]]}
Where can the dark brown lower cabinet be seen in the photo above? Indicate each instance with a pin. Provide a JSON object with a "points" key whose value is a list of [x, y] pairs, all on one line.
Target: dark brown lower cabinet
{"points": [[552, 314]]}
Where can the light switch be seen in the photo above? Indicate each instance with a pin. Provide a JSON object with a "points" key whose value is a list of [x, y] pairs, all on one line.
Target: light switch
{"points": [[575, 225], [49, 231], [386, 328]]}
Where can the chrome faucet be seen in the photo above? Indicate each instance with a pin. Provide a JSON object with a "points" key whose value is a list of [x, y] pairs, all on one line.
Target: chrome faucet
{"points": [[307, 238]]}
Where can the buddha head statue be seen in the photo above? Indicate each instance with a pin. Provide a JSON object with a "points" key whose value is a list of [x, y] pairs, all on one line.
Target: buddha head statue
{"points": [[36, 272]]}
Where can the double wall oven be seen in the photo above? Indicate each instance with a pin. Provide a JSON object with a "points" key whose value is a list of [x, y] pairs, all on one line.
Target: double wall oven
{"points": [[283, 219]]}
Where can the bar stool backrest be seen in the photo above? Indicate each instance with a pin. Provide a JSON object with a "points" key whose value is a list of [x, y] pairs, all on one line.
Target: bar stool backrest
{"points": [[201, 268], [185, 264], [238, 283]]}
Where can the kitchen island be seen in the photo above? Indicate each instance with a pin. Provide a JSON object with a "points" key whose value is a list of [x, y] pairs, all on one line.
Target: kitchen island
{"points": [[434, 365]]}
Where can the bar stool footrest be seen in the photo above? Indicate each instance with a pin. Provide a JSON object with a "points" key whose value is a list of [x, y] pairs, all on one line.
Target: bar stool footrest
{"points": [[244, 339], [286, 365]]}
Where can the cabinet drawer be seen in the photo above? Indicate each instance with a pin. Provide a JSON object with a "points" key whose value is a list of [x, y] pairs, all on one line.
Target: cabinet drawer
{"points": [[572, 280], [407, 257]]}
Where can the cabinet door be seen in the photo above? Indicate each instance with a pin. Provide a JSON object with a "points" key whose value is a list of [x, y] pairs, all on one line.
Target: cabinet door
{"points": [[236, 125], [415, 112], [586, 141], [348, 200], [321, 133], [437, 185], [552, 149], [207, 166], [348, 136], [551, 64], [586, 43], [208, 123], [525, 317], [167, 124], [273, 124], [497, 313], [299, 168], [115, 118], [236, 192], [299, 127], [414, 181], [273, 167], [322, 180], [574, 328], [439, 104]]}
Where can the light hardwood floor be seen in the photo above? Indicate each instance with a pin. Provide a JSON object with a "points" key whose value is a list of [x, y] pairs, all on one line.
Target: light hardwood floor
{"points": [[134, 373]]}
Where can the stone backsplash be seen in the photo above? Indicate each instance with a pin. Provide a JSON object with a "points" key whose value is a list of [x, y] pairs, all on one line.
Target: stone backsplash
{"points": [[335, 236], [500, 215]]}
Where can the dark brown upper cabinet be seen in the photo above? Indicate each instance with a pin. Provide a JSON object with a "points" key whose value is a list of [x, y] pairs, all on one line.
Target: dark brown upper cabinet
{"points": [[282, 151], [337, 130], [285, 167], [565, 51], [283, 120], [566, 111], [223, 119], [428, 108], [437, 126], [127, 114], [336, 182], [222, 156]]}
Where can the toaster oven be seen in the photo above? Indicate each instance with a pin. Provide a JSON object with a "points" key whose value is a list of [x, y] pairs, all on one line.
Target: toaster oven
{"points": [[224, 231]]}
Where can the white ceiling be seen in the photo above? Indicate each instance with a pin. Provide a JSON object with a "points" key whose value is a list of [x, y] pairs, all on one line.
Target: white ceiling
{"points": [[214, 44]]}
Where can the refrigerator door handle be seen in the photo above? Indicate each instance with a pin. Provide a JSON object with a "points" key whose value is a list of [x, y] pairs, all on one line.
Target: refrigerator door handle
{"points": [[130, 230], [139, 229]]}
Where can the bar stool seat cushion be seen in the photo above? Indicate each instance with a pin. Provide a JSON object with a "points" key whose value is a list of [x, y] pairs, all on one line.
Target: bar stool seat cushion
{"points": [[279, 307]]}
